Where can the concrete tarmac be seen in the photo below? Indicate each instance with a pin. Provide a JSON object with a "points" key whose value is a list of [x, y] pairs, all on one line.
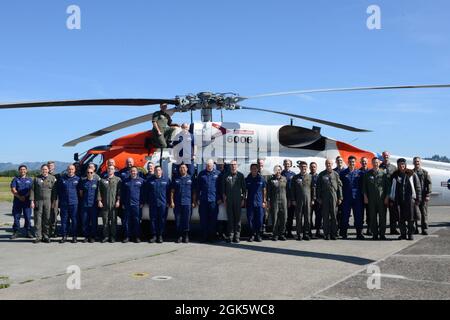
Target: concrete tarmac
{"points": [[317, 269]]}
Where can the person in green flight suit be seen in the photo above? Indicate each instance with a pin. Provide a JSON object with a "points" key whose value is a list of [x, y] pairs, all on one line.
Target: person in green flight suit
{"points": [[162, 127]]}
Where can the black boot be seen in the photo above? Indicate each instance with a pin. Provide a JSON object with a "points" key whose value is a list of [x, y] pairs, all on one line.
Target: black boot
{"points": [[74, 240], [251, 239], [179, 239], [30, 235], [258, 238], [15, 235], [63, 240], [152, 239], [186, 237], [359, 235], [159, 240]]}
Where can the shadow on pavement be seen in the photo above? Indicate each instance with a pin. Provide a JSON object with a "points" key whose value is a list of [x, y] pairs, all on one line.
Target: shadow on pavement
{"points": [[299, 253]]}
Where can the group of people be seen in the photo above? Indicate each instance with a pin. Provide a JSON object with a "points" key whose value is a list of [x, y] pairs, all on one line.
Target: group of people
{"points": [[314, 200]]}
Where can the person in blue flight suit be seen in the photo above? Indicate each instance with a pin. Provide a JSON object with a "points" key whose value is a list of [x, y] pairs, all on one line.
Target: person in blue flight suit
{"points": [[364, 169], [182, 200], [353, 199], [208, 190], [125, 173], [68, 187], [289, 174], [20, 188], [132, 203], [156, 189], [88, 196], [255, 202]]}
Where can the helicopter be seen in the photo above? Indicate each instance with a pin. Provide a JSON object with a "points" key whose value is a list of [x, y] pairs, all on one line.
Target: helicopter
{"points": [[226, 141]]}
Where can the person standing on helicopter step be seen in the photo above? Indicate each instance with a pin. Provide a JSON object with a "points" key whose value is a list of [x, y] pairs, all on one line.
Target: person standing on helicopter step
{"points": [[68, 187], [125, 173], [256, 202], [156, 191], [351, 179], [329, 195], [289, 174], [234, 189], [88, 194], [302, 190], [363, 170], [21, 188], [389, 168], [108, 198], [132, 202], [162, 127], [406, 193], [277, 199], [340, 166], [421, 210], [315, 208]]}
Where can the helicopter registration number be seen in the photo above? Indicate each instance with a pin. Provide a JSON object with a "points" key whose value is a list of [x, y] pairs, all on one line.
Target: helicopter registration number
{"points": [[239, 139]]}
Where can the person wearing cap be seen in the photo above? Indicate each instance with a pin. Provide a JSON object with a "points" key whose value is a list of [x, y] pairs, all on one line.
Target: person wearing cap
{"points": [[21, 188], [376, 188], [389, 168], [302, 194], [421, 210], [406, 193], [329, 195], [162, 127]]}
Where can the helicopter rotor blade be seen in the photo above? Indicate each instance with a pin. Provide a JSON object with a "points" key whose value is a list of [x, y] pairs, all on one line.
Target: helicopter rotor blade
{"points": [[115, 127], [89, 102], [325, 122], [289, 93]]}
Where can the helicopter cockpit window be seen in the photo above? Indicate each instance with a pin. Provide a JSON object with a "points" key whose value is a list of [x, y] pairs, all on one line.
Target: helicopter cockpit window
{"points": [[96, 159], [301, 138]]}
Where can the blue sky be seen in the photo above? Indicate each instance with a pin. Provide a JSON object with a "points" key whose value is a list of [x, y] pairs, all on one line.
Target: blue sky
{"points": [[167, 48]]}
